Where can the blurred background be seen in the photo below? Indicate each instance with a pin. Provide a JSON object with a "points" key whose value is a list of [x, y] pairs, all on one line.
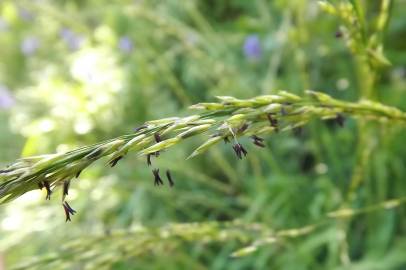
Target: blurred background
{"points": [[74, 73]]}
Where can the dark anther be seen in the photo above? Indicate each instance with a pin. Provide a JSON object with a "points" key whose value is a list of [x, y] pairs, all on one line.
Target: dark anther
{"points": [[243, 150], [114, 161], [338, 34], [149, 159], [157, 137], [226, 139], [66, 185], [157, 140], [259, 144], [140, 128], [239, 150], [48, 188], [157, 180], [168, 175], [242, 128], [340, 119], [68, 211], [283, 111], [258, 141], [78, 173], [273, 121], [255, 137]]}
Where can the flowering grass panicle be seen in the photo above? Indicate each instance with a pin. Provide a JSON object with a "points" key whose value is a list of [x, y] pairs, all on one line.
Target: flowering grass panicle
{"points": [[226, 120]]}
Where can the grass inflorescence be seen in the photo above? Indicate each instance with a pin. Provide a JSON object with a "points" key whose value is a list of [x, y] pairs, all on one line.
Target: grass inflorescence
{"points": [[226, 120], [129, 243]]}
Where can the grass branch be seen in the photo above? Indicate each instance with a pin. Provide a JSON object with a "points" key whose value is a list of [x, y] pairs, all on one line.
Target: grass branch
{"points": [[226, 120]]}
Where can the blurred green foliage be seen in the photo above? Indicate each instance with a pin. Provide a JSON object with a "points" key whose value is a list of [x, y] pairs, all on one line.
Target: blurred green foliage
{"points": [[77, 72]]}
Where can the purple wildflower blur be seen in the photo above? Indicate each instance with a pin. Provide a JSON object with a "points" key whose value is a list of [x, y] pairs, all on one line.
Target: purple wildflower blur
{"points": [[72, 40], [125, 44], [6, 98], [29, 45], [25, 14], [252, 47]]}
